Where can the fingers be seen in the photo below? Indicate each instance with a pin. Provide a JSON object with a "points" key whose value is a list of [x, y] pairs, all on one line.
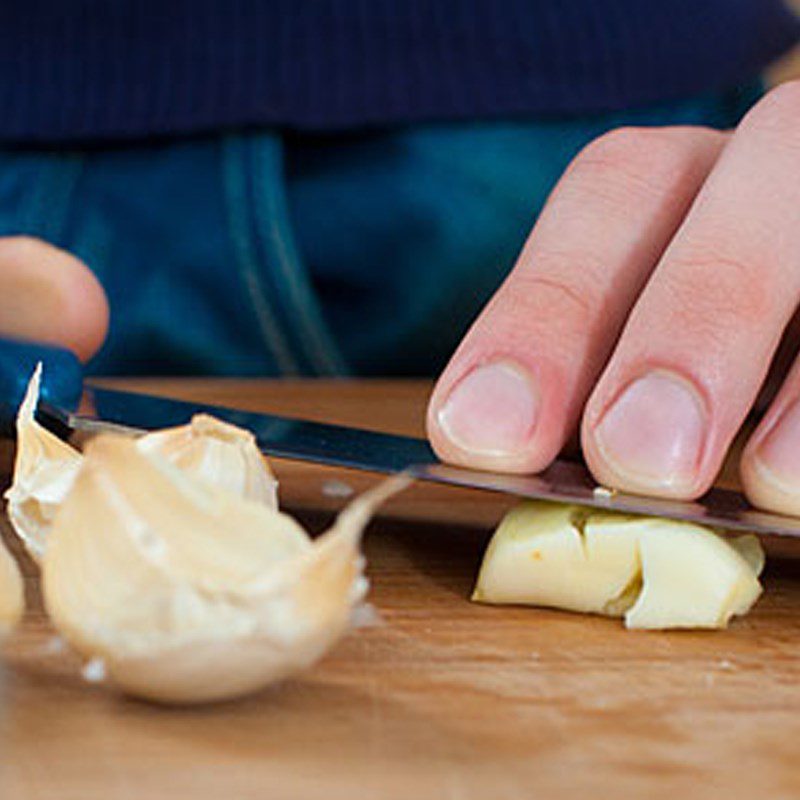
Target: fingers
{"points": [[515, 388], [49, 296], [697, 345], [770, 465]]}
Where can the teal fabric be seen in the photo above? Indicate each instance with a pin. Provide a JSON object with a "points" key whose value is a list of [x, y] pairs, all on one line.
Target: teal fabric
{"points": [[267, 253]]}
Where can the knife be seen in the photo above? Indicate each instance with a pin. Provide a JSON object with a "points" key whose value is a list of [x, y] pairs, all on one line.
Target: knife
{"points": [[101, 409]]}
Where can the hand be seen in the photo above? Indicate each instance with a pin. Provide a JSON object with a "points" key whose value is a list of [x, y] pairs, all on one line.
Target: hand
{"points": [[49, 296], [644, 311]]}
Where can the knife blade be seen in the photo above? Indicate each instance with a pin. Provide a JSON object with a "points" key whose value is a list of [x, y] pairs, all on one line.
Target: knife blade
{"points": [[355, 448]]}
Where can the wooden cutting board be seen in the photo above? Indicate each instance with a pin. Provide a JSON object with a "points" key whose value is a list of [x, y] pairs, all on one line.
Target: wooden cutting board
{"points": [[439, 698]]}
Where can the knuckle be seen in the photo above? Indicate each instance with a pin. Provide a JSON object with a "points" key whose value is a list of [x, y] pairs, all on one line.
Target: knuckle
{"points": [[557, 306], [717, 293], [568, 276], [637, 162], [559, 296]]}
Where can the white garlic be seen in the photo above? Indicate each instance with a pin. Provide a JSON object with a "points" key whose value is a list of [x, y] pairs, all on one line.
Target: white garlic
{"points": [[189, 593], [691, 578], [44, 470], [218, 453], [12, 597], [45, 466], [658, 573], [540, 556]]}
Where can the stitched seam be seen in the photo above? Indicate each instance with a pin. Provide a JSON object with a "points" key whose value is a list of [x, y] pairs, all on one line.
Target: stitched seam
{"points": [[240, 233], [275, 228]]}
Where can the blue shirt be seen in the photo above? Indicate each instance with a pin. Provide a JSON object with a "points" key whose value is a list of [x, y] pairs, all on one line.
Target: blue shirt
{"points": [[117, 69]]}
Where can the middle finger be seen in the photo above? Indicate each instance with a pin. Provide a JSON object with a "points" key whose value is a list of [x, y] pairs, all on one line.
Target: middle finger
{"points": [[698, 343]]}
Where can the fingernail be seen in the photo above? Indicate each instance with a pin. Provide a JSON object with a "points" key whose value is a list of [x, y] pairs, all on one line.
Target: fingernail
{"points": [[653, 434], [780, 450], [492, 411]]}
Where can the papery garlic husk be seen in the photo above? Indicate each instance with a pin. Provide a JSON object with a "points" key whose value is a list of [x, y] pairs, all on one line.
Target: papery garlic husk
{"points": [[657, 573], [45, 467], [12, 595], [44, 470], [189, 593], [218, 453]]}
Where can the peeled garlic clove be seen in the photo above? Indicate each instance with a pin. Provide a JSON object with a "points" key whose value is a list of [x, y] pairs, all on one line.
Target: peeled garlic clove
{"points": [[44, 470], [189, 593], [12, 598], [218, 453], [750, 549], [548, 554], [691, 578], [658, 573]]}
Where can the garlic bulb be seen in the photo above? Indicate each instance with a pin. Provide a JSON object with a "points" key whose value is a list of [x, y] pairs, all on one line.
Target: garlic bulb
{"points": [[45, 466], [12, 599], [657, 573], [217, 453], [189, 593], [44, 470]]}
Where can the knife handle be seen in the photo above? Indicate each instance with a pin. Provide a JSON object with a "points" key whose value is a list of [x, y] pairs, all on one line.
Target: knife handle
{"points": [[62, 377]]}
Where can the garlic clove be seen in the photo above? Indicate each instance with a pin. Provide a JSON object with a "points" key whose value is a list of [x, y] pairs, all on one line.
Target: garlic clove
{"points": [[12, 596], [45, 467], [548, 554], [189, 593], [750, 549], [657, 573], [611, 542], [44, 470], [218, 453], [691, 578]]}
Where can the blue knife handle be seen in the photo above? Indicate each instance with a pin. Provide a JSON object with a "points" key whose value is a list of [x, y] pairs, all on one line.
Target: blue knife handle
{"points": [[62, 377]]}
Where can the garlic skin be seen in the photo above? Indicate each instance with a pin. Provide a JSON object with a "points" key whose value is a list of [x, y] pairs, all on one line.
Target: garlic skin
{"points": [[44, 470], [189, 593], [45, 466], [218, 453], [12, 594], [655, 572]]}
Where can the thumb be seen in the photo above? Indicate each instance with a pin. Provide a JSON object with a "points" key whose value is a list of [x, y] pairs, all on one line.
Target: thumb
{"points": [[49, 296]]}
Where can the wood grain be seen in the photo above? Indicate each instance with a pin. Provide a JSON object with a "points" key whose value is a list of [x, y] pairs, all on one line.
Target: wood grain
{"points": [[443, 698]]}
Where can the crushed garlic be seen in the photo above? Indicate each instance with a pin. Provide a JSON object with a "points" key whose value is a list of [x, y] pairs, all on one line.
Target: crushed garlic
{"points": [[655, 572]]}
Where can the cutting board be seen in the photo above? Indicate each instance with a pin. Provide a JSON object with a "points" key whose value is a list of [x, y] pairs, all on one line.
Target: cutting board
{"points": [[437, 697]]}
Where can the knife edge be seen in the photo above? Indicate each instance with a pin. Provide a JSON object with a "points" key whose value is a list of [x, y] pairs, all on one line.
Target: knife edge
{"points": [[373, 451]]}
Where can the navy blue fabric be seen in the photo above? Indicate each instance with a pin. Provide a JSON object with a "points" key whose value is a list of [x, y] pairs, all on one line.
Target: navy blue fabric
{"points": [[100, 69]]}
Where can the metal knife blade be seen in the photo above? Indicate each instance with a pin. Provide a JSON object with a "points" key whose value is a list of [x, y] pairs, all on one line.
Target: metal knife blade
{"points": [[354, 448]]}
